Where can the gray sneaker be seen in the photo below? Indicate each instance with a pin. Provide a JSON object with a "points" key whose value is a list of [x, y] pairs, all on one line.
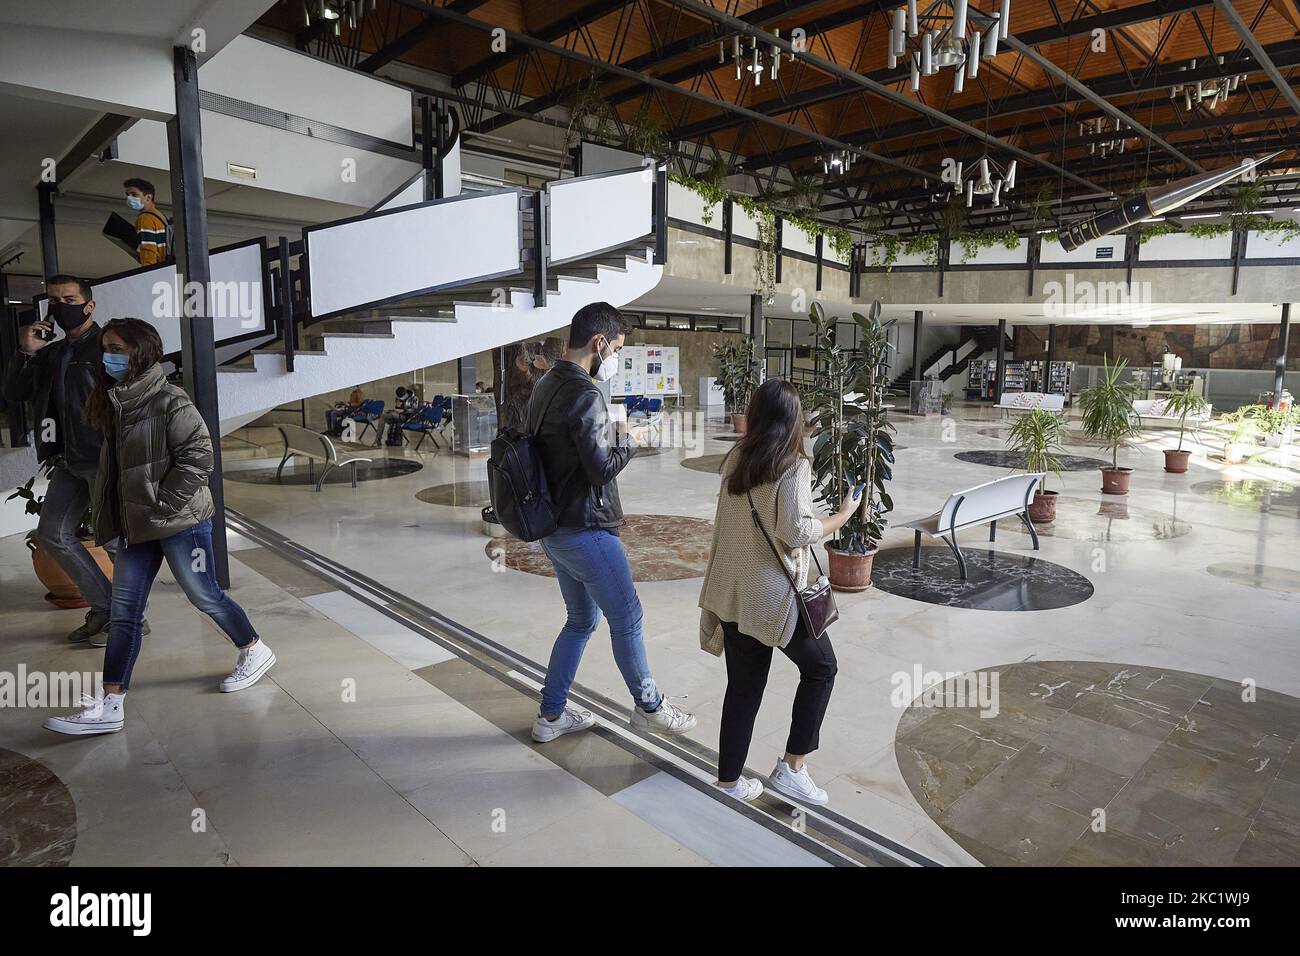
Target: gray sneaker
{"points": [[100, 639], [95, 622]]}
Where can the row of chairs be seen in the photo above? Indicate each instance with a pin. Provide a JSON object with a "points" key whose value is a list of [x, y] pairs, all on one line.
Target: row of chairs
{"points": [[430, 420]]}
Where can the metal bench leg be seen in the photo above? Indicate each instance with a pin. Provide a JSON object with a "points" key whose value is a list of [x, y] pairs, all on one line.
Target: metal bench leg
{"points": [[323, 472], [993, 531], [354, 473], [916, 550], [287, 456], [951, 541], [1033, 532]]}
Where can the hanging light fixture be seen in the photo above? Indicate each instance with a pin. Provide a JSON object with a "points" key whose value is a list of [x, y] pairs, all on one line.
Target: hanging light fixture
{"points": [[1205, 93], [938, 37], [837, 161], [985, 179], [752, 57], [1100, 143]]}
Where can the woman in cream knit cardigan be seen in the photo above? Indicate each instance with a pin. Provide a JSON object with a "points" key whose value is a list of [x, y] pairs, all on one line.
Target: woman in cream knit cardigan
{"points": [[748, 604]]}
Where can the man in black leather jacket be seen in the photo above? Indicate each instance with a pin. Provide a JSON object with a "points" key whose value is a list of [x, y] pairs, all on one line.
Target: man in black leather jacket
{"points": [[57, 376], [582, 455]]}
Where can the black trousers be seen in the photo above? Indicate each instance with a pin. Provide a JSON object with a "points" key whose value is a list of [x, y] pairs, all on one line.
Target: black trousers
{"points": [[748, 662]]}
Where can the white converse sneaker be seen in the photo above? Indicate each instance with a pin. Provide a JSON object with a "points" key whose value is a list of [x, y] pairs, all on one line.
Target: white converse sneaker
{"points": [[96, 717], [797, 784], [568, 722], [669, 719], [254, 661], [746, 788]]}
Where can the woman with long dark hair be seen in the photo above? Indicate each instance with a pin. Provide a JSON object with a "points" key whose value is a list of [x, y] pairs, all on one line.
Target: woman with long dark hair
{"points": [[749, 605], [152, 493]]}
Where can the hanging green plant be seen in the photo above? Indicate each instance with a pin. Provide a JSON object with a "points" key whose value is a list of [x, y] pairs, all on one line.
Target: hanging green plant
{"points": [[1247, 198], [590, 114], [925, 245], [760, 210], [841, 242], [646, 135], [972, 242], [710, 185], [885, 248], [1149, 230]]}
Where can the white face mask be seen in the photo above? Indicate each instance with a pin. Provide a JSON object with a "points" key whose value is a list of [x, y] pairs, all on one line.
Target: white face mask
{"points": [[608, 366]]}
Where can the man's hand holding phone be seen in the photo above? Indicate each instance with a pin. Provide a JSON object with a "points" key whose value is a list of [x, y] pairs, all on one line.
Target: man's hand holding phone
{"points": [[32, 338]]}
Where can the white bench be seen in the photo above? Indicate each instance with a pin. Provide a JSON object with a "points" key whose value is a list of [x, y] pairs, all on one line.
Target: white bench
{"points": [[983, 504], [314, 447], [1028, 401], [1152, 411]]}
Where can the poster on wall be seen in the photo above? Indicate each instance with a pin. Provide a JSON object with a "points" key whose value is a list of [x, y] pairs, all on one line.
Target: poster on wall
{"points": [[661, 370], [630, 377]]}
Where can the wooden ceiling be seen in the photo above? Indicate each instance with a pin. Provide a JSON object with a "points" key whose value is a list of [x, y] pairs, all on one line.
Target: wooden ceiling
{"points": [[660, 58]]}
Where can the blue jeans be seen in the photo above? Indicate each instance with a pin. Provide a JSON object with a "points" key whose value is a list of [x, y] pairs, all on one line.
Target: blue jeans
{"points": [[594, 576], [65, 505], [189, 555]]}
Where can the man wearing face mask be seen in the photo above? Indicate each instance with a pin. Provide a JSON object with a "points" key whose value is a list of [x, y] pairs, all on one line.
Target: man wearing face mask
{"points": [[581, 455], [57, 376], [150, 226]]}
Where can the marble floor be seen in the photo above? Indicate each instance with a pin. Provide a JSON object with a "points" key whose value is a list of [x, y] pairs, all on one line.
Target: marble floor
{"points": [[1195, 578]]}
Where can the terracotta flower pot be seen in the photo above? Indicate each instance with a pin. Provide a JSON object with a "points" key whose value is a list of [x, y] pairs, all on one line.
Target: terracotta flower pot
{"points": [[62, 590], [1176, 461], [738, 423], [850, 571], [1043, 508], [1114, 481]]}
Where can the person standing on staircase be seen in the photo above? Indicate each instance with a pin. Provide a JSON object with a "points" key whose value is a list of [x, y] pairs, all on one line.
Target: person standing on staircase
{"points": [[152, 491], [581, 455], [57, 376]]}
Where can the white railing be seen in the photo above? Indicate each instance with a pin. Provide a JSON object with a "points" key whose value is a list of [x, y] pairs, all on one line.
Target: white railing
{"points": [[592, 214]]}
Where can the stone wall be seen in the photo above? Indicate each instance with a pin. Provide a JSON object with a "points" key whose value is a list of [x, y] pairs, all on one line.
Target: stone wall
{"points": [[1252, 346]]}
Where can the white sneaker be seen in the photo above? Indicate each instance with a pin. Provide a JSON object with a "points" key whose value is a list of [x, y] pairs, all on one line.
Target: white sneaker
{"points": [[568, 722], [96, 717], [254, 661], [797, 784], [746, 788], [669, 719]]}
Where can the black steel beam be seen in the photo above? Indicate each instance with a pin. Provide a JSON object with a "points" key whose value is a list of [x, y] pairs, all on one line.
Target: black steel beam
{"points": [[45, 193], [198, 347], [1258, 52], [1279, 366]]}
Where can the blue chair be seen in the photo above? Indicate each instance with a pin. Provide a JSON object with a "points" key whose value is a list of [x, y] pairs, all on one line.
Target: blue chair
{"points": [[368, 415], [430, 419]]}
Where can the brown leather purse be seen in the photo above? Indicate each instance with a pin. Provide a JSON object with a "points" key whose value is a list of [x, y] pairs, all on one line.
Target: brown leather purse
{"points": [[817, 610]]}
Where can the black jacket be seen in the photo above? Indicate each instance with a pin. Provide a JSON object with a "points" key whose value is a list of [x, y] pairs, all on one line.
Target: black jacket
{"points": [[30, 379], [580, 454]]}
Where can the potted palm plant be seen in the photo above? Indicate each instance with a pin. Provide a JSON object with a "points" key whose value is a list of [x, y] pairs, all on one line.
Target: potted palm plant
{"points": [[738, 376], [854, 443], [1182, 403], [61, 590], [1241, 431], [1276, 424], [1108, 417], [1037, 436]]}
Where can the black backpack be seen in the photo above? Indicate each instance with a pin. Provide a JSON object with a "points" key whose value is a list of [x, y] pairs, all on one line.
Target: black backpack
{"points": [[517, 483]]}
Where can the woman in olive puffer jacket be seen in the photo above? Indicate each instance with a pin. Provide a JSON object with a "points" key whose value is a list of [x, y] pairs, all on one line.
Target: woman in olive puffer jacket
{"points": [[152, 493]]}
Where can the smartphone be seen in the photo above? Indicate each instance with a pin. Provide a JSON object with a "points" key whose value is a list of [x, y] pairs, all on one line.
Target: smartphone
{"points": [[858, 489], [47, 334]]}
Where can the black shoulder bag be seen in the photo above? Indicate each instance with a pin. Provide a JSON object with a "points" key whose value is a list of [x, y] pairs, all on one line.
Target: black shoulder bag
{"points": [[817, 610]]}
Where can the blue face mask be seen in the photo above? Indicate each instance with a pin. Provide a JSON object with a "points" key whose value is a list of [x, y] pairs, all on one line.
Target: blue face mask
{"points": [[116, 365], [135, 202]]}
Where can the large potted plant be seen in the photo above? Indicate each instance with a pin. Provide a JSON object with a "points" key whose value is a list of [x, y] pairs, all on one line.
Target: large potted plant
{"points": [[1276, 424], [1182, 403], [1241, 431], [854, 443], [1036, 436], [1108, 417], [61, 590], [738, 376]]}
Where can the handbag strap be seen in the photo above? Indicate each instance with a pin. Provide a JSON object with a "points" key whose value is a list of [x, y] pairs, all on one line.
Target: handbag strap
{"points": [[753, 511]]}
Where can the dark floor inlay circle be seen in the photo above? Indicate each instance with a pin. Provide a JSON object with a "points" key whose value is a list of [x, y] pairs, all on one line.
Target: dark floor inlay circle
{"points": [[725, 437], [1014, 761], [296, 474], [1085, 519], [1254, 494], [38, 818], [659, 548], [705, 463], [1265, 576], [995, 580], [1009, 459], [457, 494]]}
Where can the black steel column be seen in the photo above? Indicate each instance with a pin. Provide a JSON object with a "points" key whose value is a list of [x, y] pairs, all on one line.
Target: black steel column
{"points": [[1000, 375], [9, 353], [288, 334], [189, 210], [440, 145], [540, 202], [821, 237], [917, 316], [659, 214], [426, 148], [1051, 355], [726, 237], [1279, 374], [780, 241], [758, 329], [45, 193]]}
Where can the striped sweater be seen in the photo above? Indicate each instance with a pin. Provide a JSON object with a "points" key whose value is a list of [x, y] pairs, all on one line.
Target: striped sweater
{"points": [[743, 582], [151, 238]]}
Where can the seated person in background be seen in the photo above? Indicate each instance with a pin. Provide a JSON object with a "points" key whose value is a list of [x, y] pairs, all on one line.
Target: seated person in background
{"points": [[405, 408], [335, 416], [150, 226]]}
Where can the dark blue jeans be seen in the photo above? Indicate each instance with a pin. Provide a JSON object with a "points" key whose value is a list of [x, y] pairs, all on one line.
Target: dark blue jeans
{"points": [[189, 555]]}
